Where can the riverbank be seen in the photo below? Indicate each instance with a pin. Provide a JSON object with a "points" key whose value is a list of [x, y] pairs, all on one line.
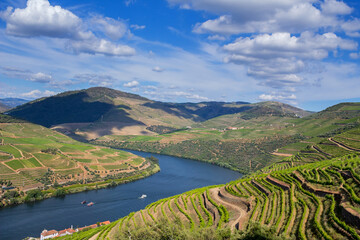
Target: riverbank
{"points": [[16, 197], [116, 145], [177, 176]]}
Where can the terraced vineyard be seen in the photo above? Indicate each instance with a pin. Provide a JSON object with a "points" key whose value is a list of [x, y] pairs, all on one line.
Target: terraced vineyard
{"points": [[32, 156], [292, 199]]}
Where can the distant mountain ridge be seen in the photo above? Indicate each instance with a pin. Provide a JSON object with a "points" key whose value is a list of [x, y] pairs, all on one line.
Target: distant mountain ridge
{"points": [[105, 111], [3, 107], [13, 102]]}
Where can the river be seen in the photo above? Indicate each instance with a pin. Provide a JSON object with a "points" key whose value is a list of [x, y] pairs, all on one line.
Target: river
{"points": [[177, 175]]}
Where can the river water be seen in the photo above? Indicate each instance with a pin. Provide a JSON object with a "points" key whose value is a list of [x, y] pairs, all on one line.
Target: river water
{"points": [[177, 175]]}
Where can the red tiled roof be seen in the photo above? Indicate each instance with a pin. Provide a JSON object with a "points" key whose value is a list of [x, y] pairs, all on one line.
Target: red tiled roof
{"points": [[105, 223], [48, 233], [68, 230]]}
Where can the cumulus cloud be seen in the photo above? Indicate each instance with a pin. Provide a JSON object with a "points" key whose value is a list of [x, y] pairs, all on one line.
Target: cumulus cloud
{"points": [[352, 27], [131, 84], [242, 16], [39, 18], [34, 94], [335, 7], [158, 69], [278, 58], [28, 75], [101, 46]]}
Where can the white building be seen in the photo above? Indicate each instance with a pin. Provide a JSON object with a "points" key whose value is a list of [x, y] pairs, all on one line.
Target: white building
{"points": [[48, 234]]}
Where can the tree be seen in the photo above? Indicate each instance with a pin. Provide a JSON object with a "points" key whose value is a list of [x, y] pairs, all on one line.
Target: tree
{"points": [[60, 192]]}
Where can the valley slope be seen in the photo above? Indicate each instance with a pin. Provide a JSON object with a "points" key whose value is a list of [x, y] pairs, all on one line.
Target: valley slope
{"points": [[317, 198], [245, 141], [34, 157], [236, 135]]}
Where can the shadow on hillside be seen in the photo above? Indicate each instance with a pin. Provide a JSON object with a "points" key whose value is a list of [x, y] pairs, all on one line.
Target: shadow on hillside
{"points": [[173, 109], [198, 111], [74, 108]]}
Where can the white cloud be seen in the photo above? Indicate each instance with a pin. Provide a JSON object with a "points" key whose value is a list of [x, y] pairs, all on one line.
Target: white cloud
{"points": [[95, 79], [266, 16], [34, 94], [277, 59], [352, 27], [131, 84], [335, 7], [28, 75], [273, 97], [114, 29], [158, 69], [101, 46], [40, 77], [39, 18], [137, 27]]}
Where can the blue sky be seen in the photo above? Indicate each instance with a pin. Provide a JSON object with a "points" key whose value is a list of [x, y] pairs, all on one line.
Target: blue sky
{"points": [[302, 52]]}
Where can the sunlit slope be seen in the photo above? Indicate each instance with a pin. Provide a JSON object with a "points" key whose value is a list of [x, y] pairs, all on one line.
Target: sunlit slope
{"points": [[33, 156], [101, 111], [247, 142], [297, 200], [95, 112]]}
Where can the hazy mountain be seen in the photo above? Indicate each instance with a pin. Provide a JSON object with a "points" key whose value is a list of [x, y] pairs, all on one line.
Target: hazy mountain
{"points": [[3, 107], [13, 102]]}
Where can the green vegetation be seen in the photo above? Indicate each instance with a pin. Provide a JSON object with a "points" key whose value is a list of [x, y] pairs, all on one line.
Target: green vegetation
{"points": [[303, 171], [249, 142], [34, 157], [299, 197]]}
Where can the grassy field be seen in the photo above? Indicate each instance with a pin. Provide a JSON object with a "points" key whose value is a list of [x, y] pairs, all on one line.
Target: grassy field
{"points": [[34, 156]]}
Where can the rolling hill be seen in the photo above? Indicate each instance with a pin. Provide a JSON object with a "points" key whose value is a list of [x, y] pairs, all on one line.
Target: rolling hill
{"points": [[245, 141], [95, 112], [317, 198], [32, 157], [239, 135]]}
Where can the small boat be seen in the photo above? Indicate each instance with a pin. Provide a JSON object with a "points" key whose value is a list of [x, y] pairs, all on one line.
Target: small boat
{"points": [[83, 202], [143, 196], [90, 204]]}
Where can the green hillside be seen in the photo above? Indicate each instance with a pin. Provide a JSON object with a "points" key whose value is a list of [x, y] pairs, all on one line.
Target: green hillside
{"points": [[32, 157], [317, 198], [95, 112], [246, 141]]}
